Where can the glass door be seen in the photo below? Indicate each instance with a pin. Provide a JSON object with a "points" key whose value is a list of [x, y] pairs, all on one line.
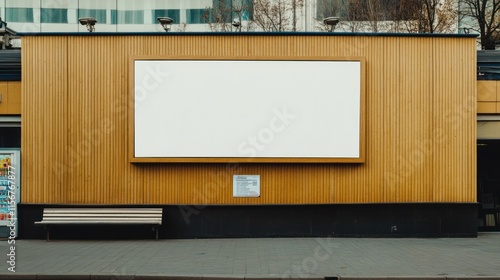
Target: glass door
{"points": [[488, 184]]}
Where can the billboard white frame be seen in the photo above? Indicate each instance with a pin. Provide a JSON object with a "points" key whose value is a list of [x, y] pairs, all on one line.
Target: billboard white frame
{"points": [[253, 110]]}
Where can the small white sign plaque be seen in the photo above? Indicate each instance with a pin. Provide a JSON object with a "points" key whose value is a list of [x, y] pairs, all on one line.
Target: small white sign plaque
{"points": [[246, 185]]}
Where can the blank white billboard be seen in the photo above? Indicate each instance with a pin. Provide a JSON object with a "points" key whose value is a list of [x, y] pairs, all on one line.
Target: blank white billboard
{"points": [[247, 109]]}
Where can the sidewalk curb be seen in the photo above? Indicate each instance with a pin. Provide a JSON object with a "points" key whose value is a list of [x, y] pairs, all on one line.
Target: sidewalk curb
{"points": [[16, 276]]}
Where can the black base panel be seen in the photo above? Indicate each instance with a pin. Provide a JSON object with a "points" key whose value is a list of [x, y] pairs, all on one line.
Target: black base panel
{"points": [[237, 221]]}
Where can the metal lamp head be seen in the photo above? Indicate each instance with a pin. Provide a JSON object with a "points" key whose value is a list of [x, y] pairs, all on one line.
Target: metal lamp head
{"points": [[89, 22], [331, 22], [165, 22]]}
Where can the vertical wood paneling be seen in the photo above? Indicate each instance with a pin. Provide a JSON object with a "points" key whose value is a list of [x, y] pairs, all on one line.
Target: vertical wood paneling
{"points": [[44, 119], [420, 125], [488, 97], [10, 103], [454, 112]]}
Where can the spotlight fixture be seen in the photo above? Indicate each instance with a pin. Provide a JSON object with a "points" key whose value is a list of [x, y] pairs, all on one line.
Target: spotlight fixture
{"points": [[331, 22], [7, 35], [89, 22], [165, 22], [236, 23]]}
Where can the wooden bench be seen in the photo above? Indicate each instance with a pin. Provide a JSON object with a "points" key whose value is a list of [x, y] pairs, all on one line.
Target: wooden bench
{"points": [[101, 216]]}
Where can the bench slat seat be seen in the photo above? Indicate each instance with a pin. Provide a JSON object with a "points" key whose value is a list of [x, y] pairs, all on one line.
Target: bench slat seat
{"points": [[94, 220], [75, 222], [89, 216], [99, 215], [102, 210]]}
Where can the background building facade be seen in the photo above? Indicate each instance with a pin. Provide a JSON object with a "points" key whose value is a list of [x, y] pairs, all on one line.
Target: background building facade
{"points": [[219, 15], [130, 16]]}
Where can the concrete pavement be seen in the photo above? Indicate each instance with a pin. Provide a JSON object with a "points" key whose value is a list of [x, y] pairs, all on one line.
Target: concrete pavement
{"points": [[264, 258]]}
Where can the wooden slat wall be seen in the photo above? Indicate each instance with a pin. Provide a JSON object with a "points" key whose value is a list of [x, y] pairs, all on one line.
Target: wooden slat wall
{"points": [[488, 97], [419, 117], [454, 118], [44, 119], [11, 98]]}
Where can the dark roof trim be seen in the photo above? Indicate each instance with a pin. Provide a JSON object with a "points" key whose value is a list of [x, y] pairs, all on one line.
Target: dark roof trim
{"points": [[370, 34], [488, 65], [489, 56], [10, 65]]}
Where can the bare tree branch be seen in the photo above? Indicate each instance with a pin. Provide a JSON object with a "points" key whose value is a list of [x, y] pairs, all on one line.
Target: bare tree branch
{"points": [[277, 15], [486, 15], [227, 16]]}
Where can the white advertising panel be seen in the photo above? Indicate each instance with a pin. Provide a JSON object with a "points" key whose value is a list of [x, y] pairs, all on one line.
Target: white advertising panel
{"points": [[247, 109]]}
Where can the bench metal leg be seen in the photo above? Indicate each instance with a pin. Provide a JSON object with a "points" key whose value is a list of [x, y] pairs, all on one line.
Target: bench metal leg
{"points": [[47, 230]]}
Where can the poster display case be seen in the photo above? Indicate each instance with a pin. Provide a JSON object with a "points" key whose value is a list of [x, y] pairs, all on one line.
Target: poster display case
{"points": [[10, 174]]}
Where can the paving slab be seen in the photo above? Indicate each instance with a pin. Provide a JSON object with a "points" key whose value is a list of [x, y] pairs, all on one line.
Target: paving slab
{"points": [[256, 258]]}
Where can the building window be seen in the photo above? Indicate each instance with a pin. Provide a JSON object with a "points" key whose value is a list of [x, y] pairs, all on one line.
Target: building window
{"points": [[127, 17], [173, 14], [245, 7], [99, 15], [195, 16], [54, 15], [225, 11], [19, 14], [330, 8], [360, 10]]}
